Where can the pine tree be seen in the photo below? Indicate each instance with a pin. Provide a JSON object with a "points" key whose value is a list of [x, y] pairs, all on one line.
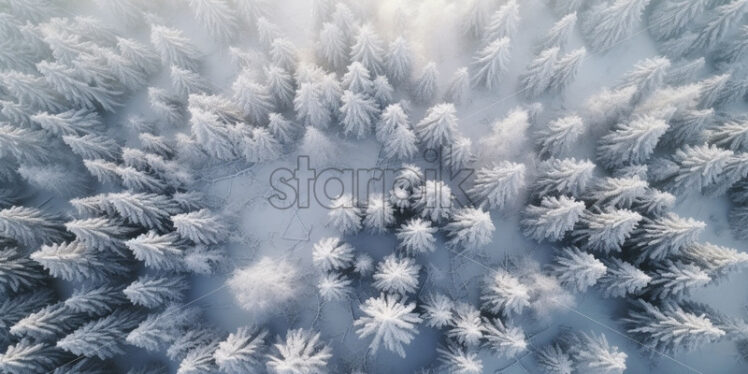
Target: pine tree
{"points": [[731, 135], [397, 275], [439, 127], [47, 324], [76, 89], [175, 48], [467, 327], [654, 202], [390, 320], [378, 214], [18, 272], [382, 91], [647, 75], [96, 301], [358, 114], [724, 20], [666, 235], [332, 254], [29, 226], [186, 82], [720, 90], [199, 360], [213, 136], [617, 192], [23, 145], [426, 85], [475, 19], [400, 143], [688, 127], [99, 233], [458, 90], [317, 146], [456, 359], [266, 30], [469, 229], [241, 351], [28, 355], [697, 167], [300, 352], [459, 154], [437, 310], [153, 291], [416, 236], [309, 106], [670, 18], [333, 46], [334, 286], [503, 23], [161, 328], [193, 338], [554, 360], [167, 107], [732, 51], [363, 265], [92, 146], [71, 122], [491, 63], [282, 129], [345, 215], [565, 69], [622, 279], [632, 142], [368, 50], [202, 227], [103, 338], [606, 230], [608, 106], [398, 61], [357, 79], [670, 328], [560, 135], [254, 99], [433, 200], [141, 55], [577, 269], [33, 91], [552, 218], [142, 209], [504, 293], [676, 279], [496, 186], [504, 339], [592, 353], [716, 260], [217, 17], [392, 118], [283, 54], [558, 35], [537, 77], [608, 24]]}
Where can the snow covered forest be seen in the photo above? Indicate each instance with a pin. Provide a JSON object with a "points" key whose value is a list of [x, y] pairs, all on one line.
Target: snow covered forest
{"points": [[497, 186]]}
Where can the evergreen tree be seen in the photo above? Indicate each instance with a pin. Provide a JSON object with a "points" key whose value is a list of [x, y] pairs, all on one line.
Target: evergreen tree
{"points": [[696, 167], [29, 226], [398, 61], [455, 359], [378, 214], [647, 75], [167, 107], [345, 215], [416, 236], [392, 117], [23, 145], [469, 229], [670, 328], [732, 51], [368, 50], [577, 269], [382, 91], [688, 127], [459, 154], [161, 328], [92, 146], [504, 339], [496, 186], [96, 301], [332, 254], [202, 227], [731, 135], [724, 20], [28, 355], [309, 106], [439, 127], [283, 54], [503, 23], [425, 87], [358, 114], [618, 192], [608, 106], [552, 218], [357, 79], [334, 286], [199, 360], [400, 143], [592, 353], [17, 272], [606, 230], [537, 77], [504, 293], [632, 142], [622, 279], [282, 129], [103, 338], [175, 48], [193, 338], [563, 176], [241, 351], [554, 360], [141, 55], [560, 135], [714, 259], [654, 202], [433, 200], [437, 310], [396, 275], [475, 19], [605, 25], [15, 308], [676, 279], [491, 63], [559, 33], [71, 122], [267, 31], [665, 236], [317, 146], [333, 46], [76, 89], [213, 136], [99, 233], [33, 91], [300, 352], [47, 324], [467, 327], [565, 69], [154, 291], [390, 320], [254, 99], [670, 18], [458, 90], [142, 209]]}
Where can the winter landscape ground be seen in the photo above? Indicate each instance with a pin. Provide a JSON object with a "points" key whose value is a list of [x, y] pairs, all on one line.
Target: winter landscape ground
{"points": [[342, 186]]}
